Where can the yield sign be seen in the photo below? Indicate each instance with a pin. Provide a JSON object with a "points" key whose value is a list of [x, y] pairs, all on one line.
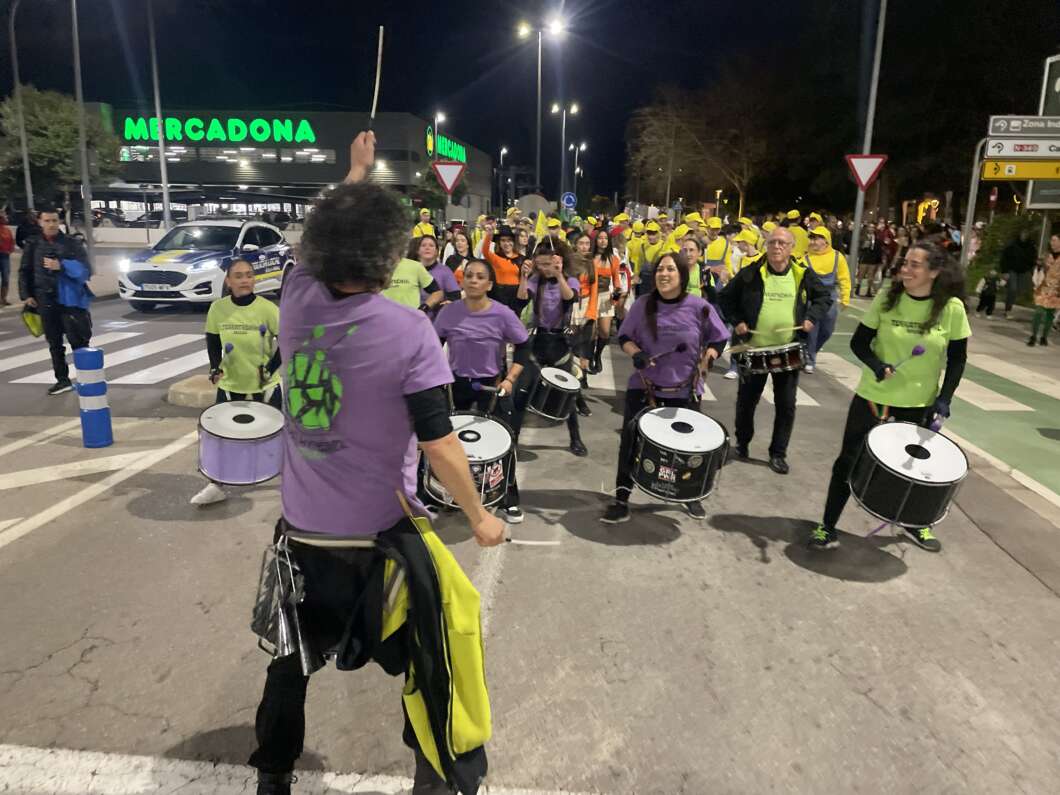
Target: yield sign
{"points": [[448, 173], [865, 168]]}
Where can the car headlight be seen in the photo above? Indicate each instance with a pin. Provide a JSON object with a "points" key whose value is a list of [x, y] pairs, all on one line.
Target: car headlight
{"points": [[123, 265], [205, 265]]}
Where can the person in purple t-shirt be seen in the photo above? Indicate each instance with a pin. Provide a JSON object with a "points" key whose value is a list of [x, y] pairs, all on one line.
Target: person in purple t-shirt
{"points": [[553, 294], [364, 382], [657, 324], [478, 331], [425, 250]]}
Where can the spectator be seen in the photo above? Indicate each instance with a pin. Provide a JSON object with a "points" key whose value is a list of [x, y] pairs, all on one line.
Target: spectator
{"points": [[28, 227], [7, 245], [1017, 262], [1046, 293], [987, 290]]}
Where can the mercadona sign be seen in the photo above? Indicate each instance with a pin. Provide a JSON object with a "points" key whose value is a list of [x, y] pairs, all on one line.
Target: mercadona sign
{"points": [[220, 129]]}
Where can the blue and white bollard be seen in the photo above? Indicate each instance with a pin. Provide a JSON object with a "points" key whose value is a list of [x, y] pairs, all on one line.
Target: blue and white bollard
{"points": [[92, 394]]}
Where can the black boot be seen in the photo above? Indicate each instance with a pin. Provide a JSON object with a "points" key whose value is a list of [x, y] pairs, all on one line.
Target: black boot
{"points": [[1043, 341], [579, 402], [595, 366], [275, 783], [1031, 341]]}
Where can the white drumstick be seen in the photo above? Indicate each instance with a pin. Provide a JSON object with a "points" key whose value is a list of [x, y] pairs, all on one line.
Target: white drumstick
{"points": [[378, 74]]}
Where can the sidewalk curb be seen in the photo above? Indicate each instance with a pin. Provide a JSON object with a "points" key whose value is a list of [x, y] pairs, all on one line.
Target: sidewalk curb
{"points": [[193, 392]]}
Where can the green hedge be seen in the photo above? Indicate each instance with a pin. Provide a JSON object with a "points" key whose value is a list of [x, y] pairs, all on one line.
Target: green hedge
{"points": [[995, 237]]}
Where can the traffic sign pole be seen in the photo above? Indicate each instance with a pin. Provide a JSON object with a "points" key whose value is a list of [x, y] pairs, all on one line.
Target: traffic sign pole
{"points": [[969, 213]]}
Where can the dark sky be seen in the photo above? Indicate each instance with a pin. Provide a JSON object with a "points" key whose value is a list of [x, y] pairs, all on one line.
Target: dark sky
{"points": [[458, 55]]}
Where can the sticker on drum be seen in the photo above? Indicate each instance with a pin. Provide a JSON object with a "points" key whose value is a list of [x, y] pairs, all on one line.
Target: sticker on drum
{"points": [[677, 454], [488, 446]]}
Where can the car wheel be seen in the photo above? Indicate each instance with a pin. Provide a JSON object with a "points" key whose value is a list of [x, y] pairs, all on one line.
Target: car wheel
{"points": [[142, 306]]}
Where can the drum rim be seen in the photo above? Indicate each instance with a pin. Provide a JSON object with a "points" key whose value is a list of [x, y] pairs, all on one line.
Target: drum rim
{"points": [[967, 465], [483, 415], [213, 478], [883, 518], [541, 373], [776, 348], [725, 431], [256, 403], [533, 391]]}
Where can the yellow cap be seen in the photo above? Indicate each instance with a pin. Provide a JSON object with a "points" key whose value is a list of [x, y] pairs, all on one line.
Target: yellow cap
{"points": [[815, 217], [651, 226], [793, 214], [638, 227], [553, 223], [591, 221], [621, 217], [576, 219], [747, 236], [681, 231], [768, 226], [690, 217], [481, 218], [743, 219], [662, 217], [714, 222], [425, 211], [512, 210], [822, 231]]}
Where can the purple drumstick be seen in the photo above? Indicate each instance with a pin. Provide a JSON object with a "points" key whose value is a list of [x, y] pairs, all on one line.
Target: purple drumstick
{"points": [[919, 350]]}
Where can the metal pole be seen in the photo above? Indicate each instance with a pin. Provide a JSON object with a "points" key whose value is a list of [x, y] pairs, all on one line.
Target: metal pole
{"points": [[167, 218], [866, 145], [86, 184], [969, 213], [562, 152], [575, 191], [18, 106], [537, 170]]}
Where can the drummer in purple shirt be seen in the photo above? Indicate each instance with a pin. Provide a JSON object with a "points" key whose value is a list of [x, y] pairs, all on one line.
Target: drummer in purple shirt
{"points": [[478, 331], [364, 384], [425, 250], [656, 325]]}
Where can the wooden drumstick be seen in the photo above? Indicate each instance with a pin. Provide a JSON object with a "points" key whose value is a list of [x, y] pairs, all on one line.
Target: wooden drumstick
{"points": [[378, 75], [681, 347]]}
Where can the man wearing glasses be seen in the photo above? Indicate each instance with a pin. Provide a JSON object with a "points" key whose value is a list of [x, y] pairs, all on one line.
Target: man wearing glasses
{"points": [[765, 302]]}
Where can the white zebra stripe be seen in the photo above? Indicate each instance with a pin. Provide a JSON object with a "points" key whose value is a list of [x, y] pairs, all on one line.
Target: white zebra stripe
{"points": [[112, 360], [43, 354]]}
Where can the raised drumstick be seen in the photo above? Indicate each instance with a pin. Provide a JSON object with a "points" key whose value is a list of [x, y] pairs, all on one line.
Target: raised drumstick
{"points": [[378, 74]]}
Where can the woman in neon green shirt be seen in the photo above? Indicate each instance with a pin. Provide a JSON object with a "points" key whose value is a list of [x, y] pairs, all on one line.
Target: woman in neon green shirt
{"points": [[923, 308], [243, 365]]}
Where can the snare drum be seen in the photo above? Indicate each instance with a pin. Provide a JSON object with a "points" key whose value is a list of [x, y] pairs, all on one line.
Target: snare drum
{"points": [[554, 394], [677, 453], [240, 442], [489, 446], [772, 359], [907, 475]]}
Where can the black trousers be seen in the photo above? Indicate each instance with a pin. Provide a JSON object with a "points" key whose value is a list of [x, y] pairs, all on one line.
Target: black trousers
{"points": [[636, 400], [59, 321], [747, 397], [860, 420], [466, 397], [548, 348], [986, 303]]}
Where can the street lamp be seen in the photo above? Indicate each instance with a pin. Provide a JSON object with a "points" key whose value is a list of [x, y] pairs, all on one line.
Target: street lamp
{"points": [[556, 28], [500, 177], [576, 149], [79, 96], [167, 216], [439, 117], [18, 106], [563, 111]]}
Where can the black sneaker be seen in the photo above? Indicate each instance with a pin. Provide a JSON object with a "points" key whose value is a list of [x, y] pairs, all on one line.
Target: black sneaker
{"points": [[577, 446], [823, 538], [275, 783], [513, 514], [922, 537], [1043, 341], [583, 407], [1031, 341], [60, 386], [695, 510], [738, 454], [616, 513], [779, 464]]}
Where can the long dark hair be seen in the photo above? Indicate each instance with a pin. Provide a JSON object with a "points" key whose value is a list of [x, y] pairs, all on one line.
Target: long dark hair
{"points": [[551, 247], [948, 284], [651, 306], [608, 251]]}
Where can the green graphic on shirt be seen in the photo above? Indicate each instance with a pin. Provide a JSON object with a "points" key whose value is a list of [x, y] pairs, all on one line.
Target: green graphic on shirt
{"points": [[314, 393]]}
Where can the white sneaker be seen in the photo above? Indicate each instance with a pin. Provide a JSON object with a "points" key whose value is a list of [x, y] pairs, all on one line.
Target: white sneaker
{"points": [[809, 369], [732, 375], [210, 493], [978, 314]]}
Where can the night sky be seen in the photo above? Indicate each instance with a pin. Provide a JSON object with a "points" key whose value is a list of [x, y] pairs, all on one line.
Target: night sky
{"points": [[461, 56]]}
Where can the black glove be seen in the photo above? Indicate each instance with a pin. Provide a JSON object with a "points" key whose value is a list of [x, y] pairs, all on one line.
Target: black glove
{"points": [[641, 360], [424, 308], [881, 371], [938, 412]]}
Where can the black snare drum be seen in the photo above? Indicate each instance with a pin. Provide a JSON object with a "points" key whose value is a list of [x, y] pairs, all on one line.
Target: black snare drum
{"points": [[677, 453], [772, 359], [489, 446], [554, 394], [907, 475]]}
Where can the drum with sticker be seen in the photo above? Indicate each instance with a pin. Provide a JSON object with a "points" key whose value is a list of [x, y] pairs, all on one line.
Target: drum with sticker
{"points": [[489, 446], [677, 453]]}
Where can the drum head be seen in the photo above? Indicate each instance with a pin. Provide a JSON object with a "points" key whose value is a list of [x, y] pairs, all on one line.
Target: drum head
{"points": [[683, 430], [560, 378], [241, 419], [917, 453], [483, 439]]}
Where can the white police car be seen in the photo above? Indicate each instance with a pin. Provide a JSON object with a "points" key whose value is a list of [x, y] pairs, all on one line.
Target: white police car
{"points": [[189, 263]]}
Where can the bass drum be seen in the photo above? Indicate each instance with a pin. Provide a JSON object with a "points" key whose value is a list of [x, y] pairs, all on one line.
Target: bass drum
{"points": [[490, 449], [240, 443], [907, 475], [677, 453]]}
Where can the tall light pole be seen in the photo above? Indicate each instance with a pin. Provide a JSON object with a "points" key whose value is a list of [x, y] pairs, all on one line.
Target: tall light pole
{"points": [[563, 110], [555, 27], [167, 217], [439, 117], [18, 106], [576, 149], [500, 177], [86, 184]]}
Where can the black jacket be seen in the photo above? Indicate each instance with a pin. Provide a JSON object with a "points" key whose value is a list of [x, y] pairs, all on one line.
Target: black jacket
{"points": [[36, 281], [1018, 256], [741, 300]]}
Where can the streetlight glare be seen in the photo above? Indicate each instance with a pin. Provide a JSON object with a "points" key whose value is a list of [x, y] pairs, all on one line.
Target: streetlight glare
{"points": [[523, 30], [573, 108], [555, 107], [504, 150], [440, 117], [556, 26], [584, 146], [570, 148]]}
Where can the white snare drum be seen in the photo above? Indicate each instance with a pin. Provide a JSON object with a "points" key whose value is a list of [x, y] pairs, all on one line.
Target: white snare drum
{"points": [[489, 446], [907, 474], [554, 394], [240, 442], [772, 359], [677, 453]]}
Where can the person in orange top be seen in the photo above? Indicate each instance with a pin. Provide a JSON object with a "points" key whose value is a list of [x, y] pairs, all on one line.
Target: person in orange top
{"points": [[606, 267], [506, 262]]}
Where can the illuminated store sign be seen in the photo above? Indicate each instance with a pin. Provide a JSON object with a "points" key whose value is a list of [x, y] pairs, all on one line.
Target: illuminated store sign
{"points": [[229, 129], [448, 149]]}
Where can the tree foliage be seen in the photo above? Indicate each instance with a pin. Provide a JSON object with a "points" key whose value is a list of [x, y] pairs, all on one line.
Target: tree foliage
{"points": [[52, 138]]}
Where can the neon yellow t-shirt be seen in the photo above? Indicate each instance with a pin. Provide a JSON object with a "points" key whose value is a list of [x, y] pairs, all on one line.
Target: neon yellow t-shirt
{"points": [[802, 240], [408, 279], [916, 380], [240, 326], [423, 228], [719, 252], [778, 310]]}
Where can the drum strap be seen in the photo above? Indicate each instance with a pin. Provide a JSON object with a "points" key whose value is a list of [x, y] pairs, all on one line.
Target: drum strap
{"points": [[880, 415], [691, 382]]}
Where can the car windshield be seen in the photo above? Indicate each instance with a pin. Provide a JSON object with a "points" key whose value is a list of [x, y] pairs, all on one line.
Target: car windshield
{"points": [[209, 238]]}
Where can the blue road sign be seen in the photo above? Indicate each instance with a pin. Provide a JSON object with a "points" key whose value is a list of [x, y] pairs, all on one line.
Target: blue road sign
{"points": [[569, 200]]}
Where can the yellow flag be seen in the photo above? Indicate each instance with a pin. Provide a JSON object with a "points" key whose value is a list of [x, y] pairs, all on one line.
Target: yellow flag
{"points": [[541, 227]]}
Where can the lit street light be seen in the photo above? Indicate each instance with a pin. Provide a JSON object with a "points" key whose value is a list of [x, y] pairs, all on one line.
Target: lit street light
{"points": [[556, 29], [500, 177], [576, 149], [573, 110], [439, 117]]}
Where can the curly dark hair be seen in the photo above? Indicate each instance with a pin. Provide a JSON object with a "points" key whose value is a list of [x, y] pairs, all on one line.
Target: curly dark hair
{"points": [[948, 284], [356, 233]]}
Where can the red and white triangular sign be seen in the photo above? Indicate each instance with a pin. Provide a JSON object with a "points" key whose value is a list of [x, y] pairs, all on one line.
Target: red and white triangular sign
{"points": [[448, 173], [865, 168]]}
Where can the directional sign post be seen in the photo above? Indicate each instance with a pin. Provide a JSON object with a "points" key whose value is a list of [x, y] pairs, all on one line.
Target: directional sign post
{"points": [[1024, 126], [1029, 148], [1021, 169], [569, 200], [448, 173]]}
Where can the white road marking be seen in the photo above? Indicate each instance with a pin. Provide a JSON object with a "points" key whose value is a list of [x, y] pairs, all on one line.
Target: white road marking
{"points": [[37, 438], [164, 370], [7, 345], [73, 469], [845, 372], [147, 460], [5, 523], [43, 355], [605, 379], [987, 399], [1043, 384], [34, 771], [122, 356]]}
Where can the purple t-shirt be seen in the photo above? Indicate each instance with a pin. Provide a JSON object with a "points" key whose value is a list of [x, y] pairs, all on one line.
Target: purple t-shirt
{"points": [[444, 278], [553, 315], [349, 446], [677, 322], [477, 339]]}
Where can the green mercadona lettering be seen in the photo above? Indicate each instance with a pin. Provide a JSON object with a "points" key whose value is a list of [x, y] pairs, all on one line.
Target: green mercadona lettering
{"points": [[222, 130]]}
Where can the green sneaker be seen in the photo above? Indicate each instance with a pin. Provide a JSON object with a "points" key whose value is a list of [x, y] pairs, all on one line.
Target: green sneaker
{"points": [[923, 538], [824, 538]]}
